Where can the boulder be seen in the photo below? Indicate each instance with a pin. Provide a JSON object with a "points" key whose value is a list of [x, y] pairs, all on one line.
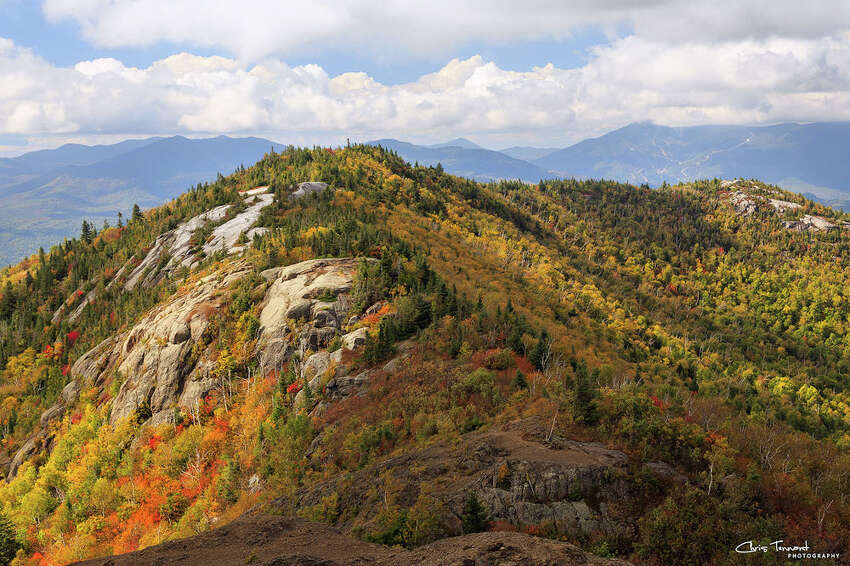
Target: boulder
{"points": [[314, 292], [316, 338], [325, 319], [375, 308], [355, 339], [304, 189], [316, 365], [344, 386]]}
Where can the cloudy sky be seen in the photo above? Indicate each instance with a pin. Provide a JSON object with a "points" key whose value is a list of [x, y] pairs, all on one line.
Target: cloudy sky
{"points": [[499, 72]]}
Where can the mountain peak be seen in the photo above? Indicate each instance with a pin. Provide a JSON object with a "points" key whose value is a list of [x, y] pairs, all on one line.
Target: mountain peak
{"points": [[457, 142]]}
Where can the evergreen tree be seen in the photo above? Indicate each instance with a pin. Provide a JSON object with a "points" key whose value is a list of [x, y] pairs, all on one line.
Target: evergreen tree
{"points": [[137, 212], [86, 232], [475, 518], [9, 544], [519, 381], [583, 397], [7, 303], [538, 355]]}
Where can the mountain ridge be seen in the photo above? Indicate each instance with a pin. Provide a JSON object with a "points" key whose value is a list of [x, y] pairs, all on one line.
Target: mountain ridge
{"points": [[409, 356]]}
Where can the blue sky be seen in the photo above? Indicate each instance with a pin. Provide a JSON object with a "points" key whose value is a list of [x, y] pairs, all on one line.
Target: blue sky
{"points": [[547, 73], [60, 43]]}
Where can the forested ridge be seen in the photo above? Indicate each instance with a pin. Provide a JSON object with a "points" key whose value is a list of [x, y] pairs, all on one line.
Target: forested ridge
{"points": [[661, 323]]}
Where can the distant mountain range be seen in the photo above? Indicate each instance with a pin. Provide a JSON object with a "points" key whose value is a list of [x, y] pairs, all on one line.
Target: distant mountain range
{"points": [[806, 158], [45, 195], [461, 158]]}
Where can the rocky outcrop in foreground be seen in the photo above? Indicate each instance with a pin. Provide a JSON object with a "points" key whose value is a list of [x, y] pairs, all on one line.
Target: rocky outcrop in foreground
{"points": [[267, 540], [520, 473]]}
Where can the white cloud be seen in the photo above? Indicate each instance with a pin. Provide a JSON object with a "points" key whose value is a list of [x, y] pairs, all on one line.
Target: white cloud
{"points": [[634, 78], [388, 29]]}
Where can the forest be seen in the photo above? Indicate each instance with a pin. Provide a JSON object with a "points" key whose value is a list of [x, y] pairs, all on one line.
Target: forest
{"points": [[660, 322]]}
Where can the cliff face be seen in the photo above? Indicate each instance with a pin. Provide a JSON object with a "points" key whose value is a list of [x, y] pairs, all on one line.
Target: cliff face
{"points": [[164, 361]]}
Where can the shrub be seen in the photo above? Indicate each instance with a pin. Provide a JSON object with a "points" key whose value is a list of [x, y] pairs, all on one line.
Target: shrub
{"points": [[423, 523], [499, 359]]}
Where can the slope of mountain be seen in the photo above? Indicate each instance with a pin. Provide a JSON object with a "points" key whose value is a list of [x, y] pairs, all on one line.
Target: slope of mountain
{"points": [[408, 356], [465, 161], [648, 153], [45, 195], [528, 153], [37, 162]]}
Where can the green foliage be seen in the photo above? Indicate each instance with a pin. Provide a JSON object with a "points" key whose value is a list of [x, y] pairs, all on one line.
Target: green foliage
{"points": [[9, 544], [475, 518], [143, 412], [689, 528], [583, 397], [519, 381], [227, 483], [479, 382]]}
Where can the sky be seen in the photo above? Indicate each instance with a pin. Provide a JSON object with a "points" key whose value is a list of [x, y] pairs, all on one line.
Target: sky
{"points": [[501, 73]]}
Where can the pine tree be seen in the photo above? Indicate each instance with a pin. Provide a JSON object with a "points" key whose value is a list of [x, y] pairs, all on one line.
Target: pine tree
{"points": [[519, 381], [137, 212], [475, 518], [86, 232], [583, 397], [9, 544], [538, 355], [7, 303]]}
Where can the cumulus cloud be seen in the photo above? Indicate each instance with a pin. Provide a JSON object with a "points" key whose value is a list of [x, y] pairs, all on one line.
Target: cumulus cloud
{"points": [[254, 29], [634, 78]]}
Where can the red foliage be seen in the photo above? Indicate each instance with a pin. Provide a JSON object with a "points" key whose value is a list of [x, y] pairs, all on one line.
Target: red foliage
{"points": [[79, 293], [76, 417], [154, 441], [294, 388], [501, 525], [713, 437], [73, 336], [65, 369], [221, 425], [658, 403]]}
